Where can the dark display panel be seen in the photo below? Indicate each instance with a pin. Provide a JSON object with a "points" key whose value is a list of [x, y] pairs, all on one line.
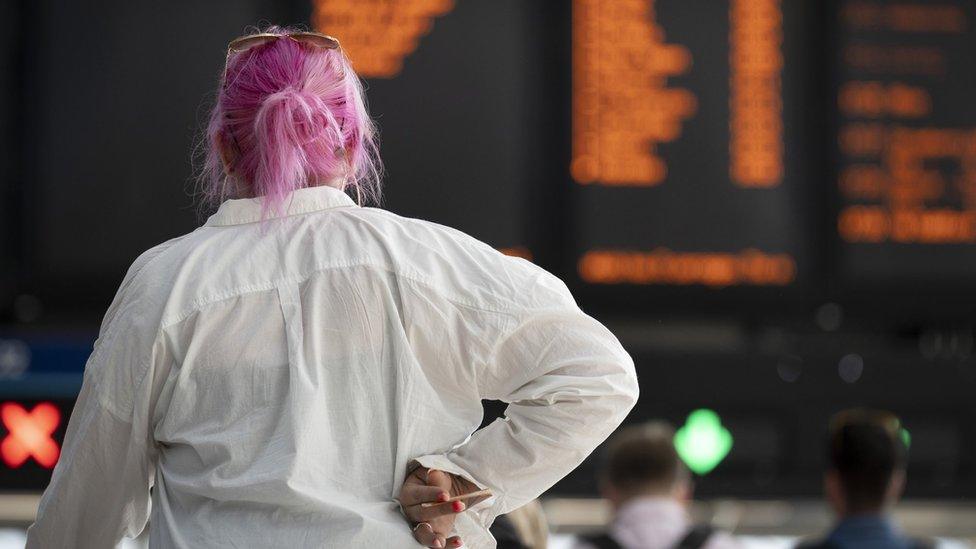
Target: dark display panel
{"points": [[691, 156], [116, 107], [906, 141], [455, 111], [9, 150], [109, 157], [652, 143]]}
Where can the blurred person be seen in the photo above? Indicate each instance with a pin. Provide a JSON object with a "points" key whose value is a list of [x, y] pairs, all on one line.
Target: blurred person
{"points": [[523, 528], [649, 489], [864, 479], [303, 371]]}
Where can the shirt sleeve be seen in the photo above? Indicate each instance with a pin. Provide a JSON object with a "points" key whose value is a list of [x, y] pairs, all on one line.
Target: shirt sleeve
{"points": [[569, 383], [99, 491]]}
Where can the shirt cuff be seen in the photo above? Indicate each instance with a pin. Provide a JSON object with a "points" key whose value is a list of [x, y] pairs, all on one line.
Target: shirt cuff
{"points": [[472, 524]]}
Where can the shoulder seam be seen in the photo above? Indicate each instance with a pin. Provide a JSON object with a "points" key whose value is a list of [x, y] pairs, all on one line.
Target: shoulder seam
{"points": [[163, 248], [110, 328]]}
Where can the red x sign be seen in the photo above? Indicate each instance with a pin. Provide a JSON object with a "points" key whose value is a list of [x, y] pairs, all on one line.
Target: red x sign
{"points": [[30, 434]]}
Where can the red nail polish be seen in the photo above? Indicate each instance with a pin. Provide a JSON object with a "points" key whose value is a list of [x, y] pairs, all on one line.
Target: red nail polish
{"points": [[458, 507], [443, 497]]}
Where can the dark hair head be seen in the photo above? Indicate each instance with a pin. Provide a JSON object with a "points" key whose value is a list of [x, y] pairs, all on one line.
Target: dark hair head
{"points": [[865, 450], [642, 458]]}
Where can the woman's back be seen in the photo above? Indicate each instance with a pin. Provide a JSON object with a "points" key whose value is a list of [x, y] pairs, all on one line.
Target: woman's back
{"points": [[277, 372], [304, 375], [280, 376]]}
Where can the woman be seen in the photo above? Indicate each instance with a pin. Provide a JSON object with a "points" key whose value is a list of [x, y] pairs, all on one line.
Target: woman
{"points": [[302, 371]]}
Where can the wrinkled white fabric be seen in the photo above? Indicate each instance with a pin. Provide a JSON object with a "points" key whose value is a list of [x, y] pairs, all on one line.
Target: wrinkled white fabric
{"points": [[275, 380]]}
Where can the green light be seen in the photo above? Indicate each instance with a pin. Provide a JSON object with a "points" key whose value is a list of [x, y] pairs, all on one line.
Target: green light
{"points": [[703, 443], [906, 437]]}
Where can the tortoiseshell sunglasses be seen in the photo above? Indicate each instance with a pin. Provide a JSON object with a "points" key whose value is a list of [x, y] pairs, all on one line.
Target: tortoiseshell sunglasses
{"points": [[244, 43]]}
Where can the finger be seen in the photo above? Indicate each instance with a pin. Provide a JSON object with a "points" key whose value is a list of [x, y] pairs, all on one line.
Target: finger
{"points": [[439, 479], [426, 536], [418, 513], [424, 514], [413, 494], [453, 541], [420, 473], [442, 526]]}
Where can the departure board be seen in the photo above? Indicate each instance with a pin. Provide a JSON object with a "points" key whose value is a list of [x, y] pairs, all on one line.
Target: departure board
{"points": [[715, 144], [684, 115], [906, 140], [378, 35], [452, 156]]}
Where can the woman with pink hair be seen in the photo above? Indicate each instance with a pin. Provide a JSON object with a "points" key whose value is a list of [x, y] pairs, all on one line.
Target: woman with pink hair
{"points": [[304, 371]]}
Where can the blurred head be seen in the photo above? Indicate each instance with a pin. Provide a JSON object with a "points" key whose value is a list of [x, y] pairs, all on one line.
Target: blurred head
{"points": [[866, 456], [641, 461], [531, 527], [289, 115]]}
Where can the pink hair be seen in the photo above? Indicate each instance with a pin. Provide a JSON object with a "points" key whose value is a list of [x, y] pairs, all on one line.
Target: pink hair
{"points": [[295, 116]]}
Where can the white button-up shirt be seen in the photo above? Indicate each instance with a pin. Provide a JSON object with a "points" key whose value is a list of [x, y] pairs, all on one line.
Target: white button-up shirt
{"points": [[269, 383]]}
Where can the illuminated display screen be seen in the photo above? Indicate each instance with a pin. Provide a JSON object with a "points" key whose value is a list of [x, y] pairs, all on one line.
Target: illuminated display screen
{"points": [[623, 108], [680, 124], [701, 126], [446, 83], [906, 140], [31, 434], [755, 93], [656, 143], [378, 34]]}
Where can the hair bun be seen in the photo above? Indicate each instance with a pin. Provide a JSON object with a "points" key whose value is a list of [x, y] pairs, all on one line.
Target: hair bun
{"points": [[310, 119]]}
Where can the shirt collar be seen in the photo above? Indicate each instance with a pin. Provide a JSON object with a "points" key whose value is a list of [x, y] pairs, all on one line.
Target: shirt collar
{"points": [[301, 201]]}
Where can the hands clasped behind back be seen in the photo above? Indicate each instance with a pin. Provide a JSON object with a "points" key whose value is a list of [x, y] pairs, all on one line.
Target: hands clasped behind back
{"points": [[432, 525]]}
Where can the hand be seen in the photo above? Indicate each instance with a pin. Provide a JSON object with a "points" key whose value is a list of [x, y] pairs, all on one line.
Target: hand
{"points": [[433, 525]]}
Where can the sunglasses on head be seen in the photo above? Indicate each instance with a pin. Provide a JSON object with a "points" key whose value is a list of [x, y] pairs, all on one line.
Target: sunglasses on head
{"points": [[245, 43]]}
